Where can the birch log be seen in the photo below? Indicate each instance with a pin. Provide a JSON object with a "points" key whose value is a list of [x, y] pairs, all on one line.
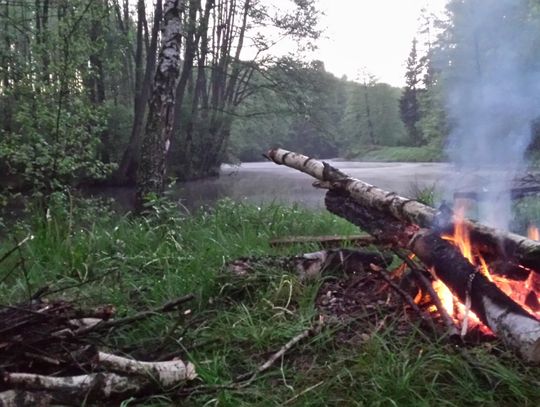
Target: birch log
{"points": [[387, 218], [130, 378], [502, 244]]}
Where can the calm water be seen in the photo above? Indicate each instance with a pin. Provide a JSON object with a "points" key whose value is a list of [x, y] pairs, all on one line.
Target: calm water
{"points": [[266, 182]]}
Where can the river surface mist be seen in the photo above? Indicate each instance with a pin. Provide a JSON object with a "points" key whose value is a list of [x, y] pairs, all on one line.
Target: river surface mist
{"points": [[265, 182]]}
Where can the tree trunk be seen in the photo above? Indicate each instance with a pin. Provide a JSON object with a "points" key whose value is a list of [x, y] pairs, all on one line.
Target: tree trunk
{"points": [[221, 40], [127, 169], [371, 130], [151, 173]]}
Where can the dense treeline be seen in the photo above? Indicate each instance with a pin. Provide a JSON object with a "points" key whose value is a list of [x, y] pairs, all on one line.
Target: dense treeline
{"points": [[76, 79], [318, 114]]}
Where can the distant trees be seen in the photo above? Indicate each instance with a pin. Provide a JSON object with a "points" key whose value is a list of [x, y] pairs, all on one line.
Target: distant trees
{"points": [[409, 102], [79, 84], [75, 81], [315, 112], [216, 77], [371, 116]]}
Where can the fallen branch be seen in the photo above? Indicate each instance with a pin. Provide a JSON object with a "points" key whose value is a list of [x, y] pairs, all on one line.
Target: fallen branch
{"points": [[250, 377], [490, 240], [22, 398], [325, 241], [15, 248], [113, 323], [167, 374], [132, 378]]}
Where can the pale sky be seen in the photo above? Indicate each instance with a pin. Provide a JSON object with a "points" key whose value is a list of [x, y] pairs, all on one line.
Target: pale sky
{"points": [[375, 34]]}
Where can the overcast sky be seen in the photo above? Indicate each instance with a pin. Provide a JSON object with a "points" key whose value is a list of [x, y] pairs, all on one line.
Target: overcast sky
{"points": [[375, 34]]}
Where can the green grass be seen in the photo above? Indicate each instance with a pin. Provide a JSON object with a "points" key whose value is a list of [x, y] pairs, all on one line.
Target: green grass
{"points": [[236, 323], [399, 154]]}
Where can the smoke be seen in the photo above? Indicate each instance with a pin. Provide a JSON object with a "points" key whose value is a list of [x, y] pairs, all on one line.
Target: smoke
{"points": [[492, 81]]}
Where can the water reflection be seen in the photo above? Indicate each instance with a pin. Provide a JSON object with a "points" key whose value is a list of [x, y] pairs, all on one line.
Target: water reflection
{"points": [[265, 182]]}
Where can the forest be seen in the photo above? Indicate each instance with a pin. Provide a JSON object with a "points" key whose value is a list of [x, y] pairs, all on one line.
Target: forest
{"points": [[234, 303], [77, 77]]}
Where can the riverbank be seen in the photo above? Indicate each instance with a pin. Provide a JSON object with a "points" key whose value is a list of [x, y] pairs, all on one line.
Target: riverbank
{"points": [[236, 323], [400, 154]]}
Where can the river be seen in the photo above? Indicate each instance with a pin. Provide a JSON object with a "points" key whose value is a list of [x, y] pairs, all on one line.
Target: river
{"points": [[266, 182]]}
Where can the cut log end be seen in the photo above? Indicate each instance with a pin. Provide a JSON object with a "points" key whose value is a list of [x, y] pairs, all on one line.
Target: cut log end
{"points": [[520, 332]]}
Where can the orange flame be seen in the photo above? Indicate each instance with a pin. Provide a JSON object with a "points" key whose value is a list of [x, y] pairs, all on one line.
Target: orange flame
{"points": [[533, 232], [517, 290]]}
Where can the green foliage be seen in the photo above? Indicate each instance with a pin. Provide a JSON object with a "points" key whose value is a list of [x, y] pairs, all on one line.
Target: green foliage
{"points": [[428, 195], [433, 121], [53, 148], [381, 100], [316, 113], [59, 66], [526, 212]]}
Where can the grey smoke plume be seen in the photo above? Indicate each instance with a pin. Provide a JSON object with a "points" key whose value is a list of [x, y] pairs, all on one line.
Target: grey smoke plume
{"points": [[492, 79]]}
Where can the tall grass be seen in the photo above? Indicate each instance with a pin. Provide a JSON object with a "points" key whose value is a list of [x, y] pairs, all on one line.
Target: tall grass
{"points": [[236, 322]]}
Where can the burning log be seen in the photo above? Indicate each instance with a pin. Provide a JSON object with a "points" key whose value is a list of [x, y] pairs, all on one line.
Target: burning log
{"points": [[397, 220], [507, 319], [503, 244]]}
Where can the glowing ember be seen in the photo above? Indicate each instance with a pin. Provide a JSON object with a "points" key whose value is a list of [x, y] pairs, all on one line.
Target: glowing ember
{"points": [[533, 232], [524, 293]]}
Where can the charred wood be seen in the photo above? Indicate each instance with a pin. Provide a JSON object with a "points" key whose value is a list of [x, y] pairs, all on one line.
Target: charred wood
{"points": [[507, 319]]}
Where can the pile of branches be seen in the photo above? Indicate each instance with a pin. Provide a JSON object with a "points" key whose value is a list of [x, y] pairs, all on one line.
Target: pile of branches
{"points": [[50, 354]]}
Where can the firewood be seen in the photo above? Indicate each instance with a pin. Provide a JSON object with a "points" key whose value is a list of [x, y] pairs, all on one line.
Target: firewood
{"points": [[504, 244], [398, 220], [166, 373], [133, 377], [507, 319]]}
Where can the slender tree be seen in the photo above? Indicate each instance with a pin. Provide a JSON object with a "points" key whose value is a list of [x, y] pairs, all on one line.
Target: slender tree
{"points": [[127, 168], [409, 104], [159, 126]]}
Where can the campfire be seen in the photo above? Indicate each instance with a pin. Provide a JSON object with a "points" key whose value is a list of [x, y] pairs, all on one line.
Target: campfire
{"points": [[473, 276], [524, 292]]}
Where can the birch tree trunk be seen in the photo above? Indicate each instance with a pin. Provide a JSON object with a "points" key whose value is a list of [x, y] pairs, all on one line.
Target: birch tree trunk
{"points": [[159, 126]]}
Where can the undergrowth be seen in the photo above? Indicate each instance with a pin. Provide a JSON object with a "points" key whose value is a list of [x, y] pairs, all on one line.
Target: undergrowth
{"points": [[93, 256]]}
